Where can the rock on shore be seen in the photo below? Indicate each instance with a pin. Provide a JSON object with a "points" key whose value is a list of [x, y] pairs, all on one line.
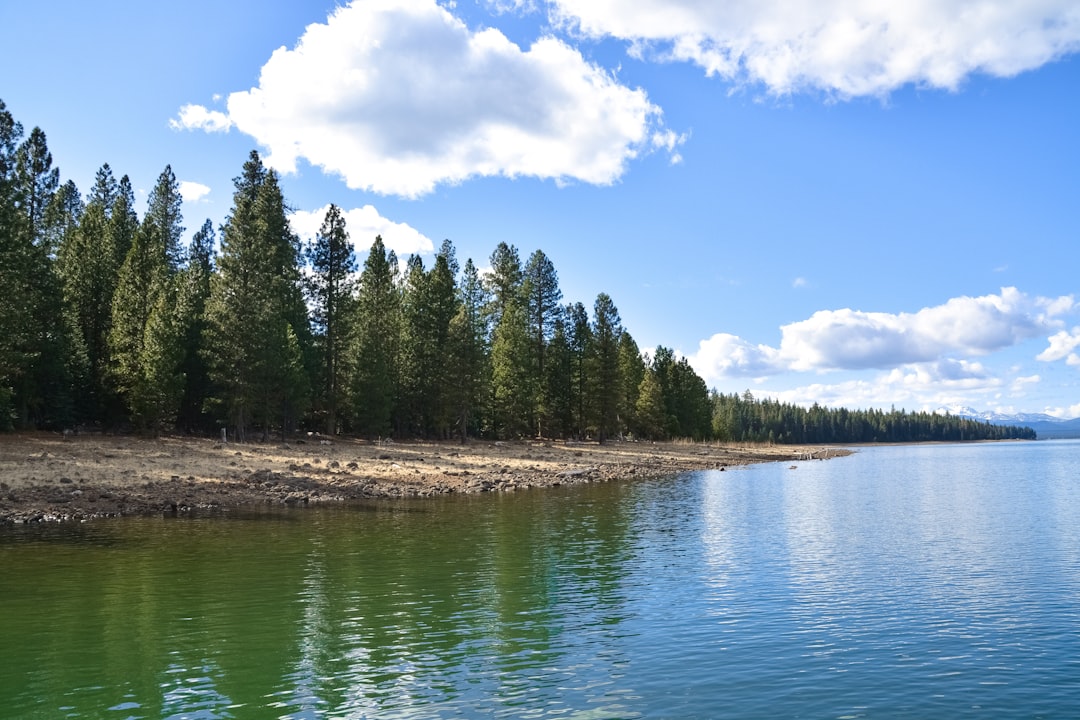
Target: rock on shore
{"points": [[47, 477]]}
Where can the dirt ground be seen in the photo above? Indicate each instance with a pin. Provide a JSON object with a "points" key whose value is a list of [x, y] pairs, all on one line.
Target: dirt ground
{"points": [[50, 477]]}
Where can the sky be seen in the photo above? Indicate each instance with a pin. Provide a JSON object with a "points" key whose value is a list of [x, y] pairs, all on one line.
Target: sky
{"points": [[859, 203]]}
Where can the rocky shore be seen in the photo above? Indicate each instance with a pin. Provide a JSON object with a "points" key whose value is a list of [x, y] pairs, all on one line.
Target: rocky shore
{"points": [[48, 477]]}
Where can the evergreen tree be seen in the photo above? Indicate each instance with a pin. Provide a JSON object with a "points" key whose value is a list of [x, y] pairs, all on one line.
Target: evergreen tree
{"points": [[192, 296], [143, 278], [468, 361], [89, 260], [542, 296], [163, 210], [37, 180], [510, 376], [331, 292], [150, 387], [257, 331], [429, 303], [14, 315], [504, 280], [693, 416], [441, 301], [378, 330], [123, 224], [606, 386], [579, 340], [41, 393], [650, 413], [631, 374], [159, 388], [414, 380]]}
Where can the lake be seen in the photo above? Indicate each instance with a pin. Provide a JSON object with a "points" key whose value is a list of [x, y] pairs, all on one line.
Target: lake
{"points": [[900, 582]]}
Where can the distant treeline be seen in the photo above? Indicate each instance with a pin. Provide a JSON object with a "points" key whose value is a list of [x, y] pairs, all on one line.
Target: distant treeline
{"points": [[742, 417], [108, 322]]}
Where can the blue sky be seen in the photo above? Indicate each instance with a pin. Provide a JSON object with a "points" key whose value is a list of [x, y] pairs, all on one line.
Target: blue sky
{"points": [[863, 204]]}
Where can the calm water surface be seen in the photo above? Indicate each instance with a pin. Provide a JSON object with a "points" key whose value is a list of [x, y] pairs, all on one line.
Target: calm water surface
{"points": [[902, 582]]}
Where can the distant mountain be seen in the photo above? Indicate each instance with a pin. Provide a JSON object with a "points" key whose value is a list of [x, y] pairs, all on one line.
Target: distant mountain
{"points": [[1045, 426]]}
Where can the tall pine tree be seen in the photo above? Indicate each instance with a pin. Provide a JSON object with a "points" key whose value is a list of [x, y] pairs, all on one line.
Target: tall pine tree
{"points": [[331, 293], [256, 318], [373, 387]]}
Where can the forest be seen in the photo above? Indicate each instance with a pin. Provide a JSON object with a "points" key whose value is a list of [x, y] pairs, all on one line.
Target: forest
{"points": [[112, 322]]}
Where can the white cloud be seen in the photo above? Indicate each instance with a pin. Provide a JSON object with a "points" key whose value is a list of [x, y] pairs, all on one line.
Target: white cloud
{"points": [[501, 7], [850, 339], [1061, 346], [725, 355], [669, 140], [193, 192], [398, 96], [196, 117], [845, 48], [925, 386], [831, 340], [363, 224]]}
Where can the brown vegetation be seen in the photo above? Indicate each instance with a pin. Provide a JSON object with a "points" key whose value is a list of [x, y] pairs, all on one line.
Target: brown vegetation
{"points": [[52, 477]]}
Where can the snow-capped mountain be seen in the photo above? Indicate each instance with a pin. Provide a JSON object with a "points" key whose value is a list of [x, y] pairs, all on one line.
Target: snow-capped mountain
{"points": [[998, 418], [1045, 426]]}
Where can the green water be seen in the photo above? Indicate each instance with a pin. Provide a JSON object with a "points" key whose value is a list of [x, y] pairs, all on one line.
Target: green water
{"points": [[903, 582], [359, 610]]}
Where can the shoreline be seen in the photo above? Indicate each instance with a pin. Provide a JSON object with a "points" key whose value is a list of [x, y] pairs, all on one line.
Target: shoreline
{"points": [[46, 477]]}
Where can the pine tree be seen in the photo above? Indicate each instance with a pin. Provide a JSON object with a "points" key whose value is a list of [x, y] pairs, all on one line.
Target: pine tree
{"points": [[373, 387], [163, 209], [606, 388], [89, 260], [504, 280], [631, 373], [41, 396], [542, 298], [144, 278], [649, 410], [558, 380], [257, 334], [429, 306], [510, 377], [160, 385], [331, 292], [579, 340], [192, 296], [414, 382], [123, 224], [14, 316], [468, 360]]}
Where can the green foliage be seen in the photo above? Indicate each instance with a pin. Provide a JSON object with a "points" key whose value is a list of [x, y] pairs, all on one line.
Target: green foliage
{"points": [[542, 297], [34, 380], [143, 280], [331, 294], [650, 414], [743, 418], [373, 386], [192, 295], [163, 213], [579, 344], [604, 375], [468, 366], [257, 330], [631, 374], [511, 379], [89, 258]]}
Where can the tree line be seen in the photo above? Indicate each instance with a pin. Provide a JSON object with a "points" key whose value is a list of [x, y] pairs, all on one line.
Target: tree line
{"points": [[108, 321], [745, 418]]}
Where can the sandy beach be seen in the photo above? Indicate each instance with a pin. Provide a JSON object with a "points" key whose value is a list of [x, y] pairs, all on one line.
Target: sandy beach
{"points": [[49, 477]]}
